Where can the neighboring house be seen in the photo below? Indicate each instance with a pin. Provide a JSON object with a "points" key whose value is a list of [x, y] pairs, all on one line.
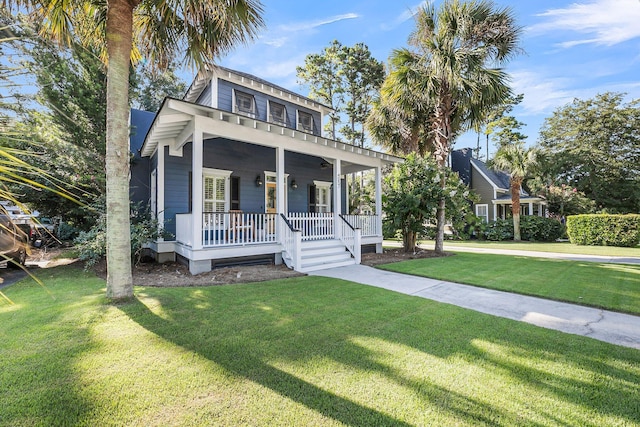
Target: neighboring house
{"points": [[238, 171], [493, 188]]}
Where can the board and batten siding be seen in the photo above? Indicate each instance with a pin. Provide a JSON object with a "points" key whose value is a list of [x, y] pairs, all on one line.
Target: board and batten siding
{"points": [[484, 189], [225, 102]]}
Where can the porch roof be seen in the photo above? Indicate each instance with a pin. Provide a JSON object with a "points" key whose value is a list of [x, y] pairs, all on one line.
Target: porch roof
{"points": [[177, 120]]}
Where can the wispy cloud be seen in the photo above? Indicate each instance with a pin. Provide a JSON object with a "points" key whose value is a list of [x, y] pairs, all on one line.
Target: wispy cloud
{"points": [[543, 94], [604, 22], [309, 25], [282, 34], [403, 17]]}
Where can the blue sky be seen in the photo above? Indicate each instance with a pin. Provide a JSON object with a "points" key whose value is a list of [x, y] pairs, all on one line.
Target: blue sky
{"points": [[573, 48]]}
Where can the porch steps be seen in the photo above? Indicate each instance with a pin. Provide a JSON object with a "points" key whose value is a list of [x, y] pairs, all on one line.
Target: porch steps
{"points": [[322, 254]]}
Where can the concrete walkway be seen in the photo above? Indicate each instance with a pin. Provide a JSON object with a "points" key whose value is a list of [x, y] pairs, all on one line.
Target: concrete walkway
{"points": [[603, 325], [536, 254], [554, 255]]}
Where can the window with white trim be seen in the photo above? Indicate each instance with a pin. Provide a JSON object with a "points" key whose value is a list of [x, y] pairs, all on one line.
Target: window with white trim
{"points": [[321, 196], [482, 211], [277, 113], [244, 103], [216, 189], [305, 121]]}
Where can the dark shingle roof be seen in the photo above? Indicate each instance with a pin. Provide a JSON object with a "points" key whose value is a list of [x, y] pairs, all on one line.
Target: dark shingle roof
{"points": [[498, 178]]}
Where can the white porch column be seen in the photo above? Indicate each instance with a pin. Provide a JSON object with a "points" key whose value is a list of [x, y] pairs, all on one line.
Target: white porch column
{"points": [[495, 212], [378, 173], [280, 186], [160, 188], [530, 208], [196, 192], [337, 197]]}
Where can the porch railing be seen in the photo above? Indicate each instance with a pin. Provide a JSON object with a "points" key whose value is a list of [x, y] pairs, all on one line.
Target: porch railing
{"points": [[313, 225], [368, 224], [351, 238], [291, 243], [238, 228]]}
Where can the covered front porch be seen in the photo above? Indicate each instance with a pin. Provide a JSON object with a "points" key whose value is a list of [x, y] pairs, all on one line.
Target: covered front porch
{"points": [[229, 186]]}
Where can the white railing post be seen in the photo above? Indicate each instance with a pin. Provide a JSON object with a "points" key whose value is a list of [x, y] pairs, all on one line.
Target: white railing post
{"points": [[297, 263], [357, 246]]}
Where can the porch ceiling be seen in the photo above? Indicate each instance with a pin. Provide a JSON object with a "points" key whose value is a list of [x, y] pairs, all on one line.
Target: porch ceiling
{"points": [[176, 121]]}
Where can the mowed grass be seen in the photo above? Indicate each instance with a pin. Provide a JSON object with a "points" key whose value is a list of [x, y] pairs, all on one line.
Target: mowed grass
{"points": [[302, 351], [558, 247], [610, 286]]}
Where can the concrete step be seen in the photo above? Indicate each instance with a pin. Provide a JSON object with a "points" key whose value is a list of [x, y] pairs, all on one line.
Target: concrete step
{"points": [[323, 266], [336, 256]]}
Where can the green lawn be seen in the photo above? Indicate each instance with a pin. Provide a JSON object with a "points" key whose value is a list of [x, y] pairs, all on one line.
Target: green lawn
{"points": [[559, 247], [302, 351], [611, 286]]}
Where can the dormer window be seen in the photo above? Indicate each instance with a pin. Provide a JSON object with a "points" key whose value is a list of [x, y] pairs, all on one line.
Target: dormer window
{"points": [[277, 113], [245, 104], [305, 121]]}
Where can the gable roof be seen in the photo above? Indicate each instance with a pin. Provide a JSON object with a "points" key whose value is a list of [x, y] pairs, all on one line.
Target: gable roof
{"points": [[497, 179]]}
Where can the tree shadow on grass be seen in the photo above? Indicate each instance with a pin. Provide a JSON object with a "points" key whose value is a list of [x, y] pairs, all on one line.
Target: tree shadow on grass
{"points": [[244, 328]]}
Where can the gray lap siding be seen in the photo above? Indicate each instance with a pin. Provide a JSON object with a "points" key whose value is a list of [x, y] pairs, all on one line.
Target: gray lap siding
{"points": [[484, 189]]}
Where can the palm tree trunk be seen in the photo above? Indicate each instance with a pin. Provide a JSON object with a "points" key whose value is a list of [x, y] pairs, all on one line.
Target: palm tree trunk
{"points": [[119, 38], [515, 207], [440, 218]]}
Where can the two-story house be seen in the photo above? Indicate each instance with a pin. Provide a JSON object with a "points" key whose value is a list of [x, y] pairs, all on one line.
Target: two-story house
{"points": [[238, 170]]}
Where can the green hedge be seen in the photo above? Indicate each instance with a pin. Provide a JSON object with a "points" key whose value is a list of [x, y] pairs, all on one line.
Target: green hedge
{"points": [[604, 230], [532, 228]]}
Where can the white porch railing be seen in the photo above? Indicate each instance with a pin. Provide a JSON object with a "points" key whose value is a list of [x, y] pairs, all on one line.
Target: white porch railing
{"points": [[313, 225], [368, 224], [291, 243], [238, 228], [351, 239]]}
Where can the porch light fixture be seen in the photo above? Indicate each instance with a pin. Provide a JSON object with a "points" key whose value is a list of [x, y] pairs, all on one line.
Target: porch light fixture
{"points": [[294, 184], [258, 181], [324, 165]]}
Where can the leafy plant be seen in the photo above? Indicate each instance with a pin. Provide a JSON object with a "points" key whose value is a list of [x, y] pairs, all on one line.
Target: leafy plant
{"points": [[91, 245], [604, 230]]}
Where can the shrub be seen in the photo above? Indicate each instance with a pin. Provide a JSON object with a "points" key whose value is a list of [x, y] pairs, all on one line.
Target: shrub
{"points": [[92, 244], [604, 230], [532, 228], [67, 232], [498, 230], [539, 229]]}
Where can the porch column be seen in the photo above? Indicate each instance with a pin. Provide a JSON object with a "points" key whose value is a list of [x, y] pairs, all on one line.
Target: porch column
{"points": [[280, 187], [530, 208], [378, 173], [196, 193], [495, 211], [337, 196], [160, 188]]}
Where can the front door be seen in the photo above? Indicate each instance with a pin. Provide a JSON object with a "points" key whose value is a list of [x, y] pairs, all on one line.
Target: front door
{"points": [[271, 201], [271, 207]]}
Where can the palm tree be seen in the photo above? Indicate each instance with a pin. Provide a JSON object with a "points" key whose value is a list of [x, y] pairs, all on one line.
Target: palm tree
{"points": [[519, 162], [452, 74], [126, 31]]}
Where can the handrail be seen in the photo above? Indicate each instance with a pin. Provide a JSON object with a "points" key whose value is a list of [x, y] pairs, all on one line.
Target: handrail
{"points": [[286, 221], [291, 244], [351, 238], [347, 222]]}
